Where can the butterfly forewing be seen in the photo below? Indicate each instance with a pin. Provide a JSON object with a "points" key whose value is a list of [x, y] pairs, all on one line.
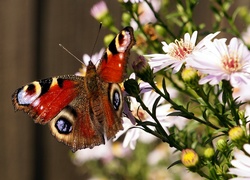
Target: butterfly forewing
{"points": [[113, 64]]}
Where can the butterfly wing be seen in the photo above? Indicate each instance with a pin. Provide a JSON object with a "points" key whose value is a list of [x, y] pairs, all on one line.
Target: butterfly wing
{"points": [[113, 64], [61, 101], [43, 99]]}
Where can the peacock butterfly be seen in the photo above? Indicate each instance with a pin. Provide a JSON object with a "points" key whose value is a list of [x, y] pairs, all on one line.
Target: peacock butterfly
{"points": [[80, 111]]}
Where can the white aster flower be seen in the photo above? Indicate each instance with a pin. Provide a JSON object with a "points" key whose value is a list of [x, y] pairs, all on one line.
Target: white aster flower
{"points": [[223, 62], [241, 164], [178, 52]]}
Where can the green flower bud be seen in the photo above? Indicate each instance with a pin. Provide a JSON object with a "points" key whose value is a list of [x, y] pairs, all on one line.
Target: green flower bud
{"points": [[126, 18], [190, 76], [160, 30], [132, 88], [209, 153], [221, 145], [142, 69]]}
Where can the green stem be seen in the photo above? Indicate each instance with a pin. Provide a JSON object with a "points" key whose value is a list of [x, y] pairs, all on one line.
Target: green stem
{"points": [[159, 20], [181, 108], [164, 136]]}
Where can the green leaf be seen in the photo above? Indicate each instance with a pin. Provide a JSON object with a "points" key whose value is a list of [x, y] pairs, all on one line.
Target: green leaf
{"points": [[155, 105], [174, 163]]}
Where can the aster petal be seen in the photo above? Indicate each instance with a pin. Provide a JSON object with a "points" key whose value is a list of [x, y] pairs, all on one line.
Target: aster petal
{"points": [[86, 58], [165, 47], [241, 163], [236, 79], [234, 45], [206, 39], [131, 138], [239, 172], [194, 37], [187, 37], [205, 62], [126, 126], [212, 79], [247, 148], [177, 66], [242, 157]]}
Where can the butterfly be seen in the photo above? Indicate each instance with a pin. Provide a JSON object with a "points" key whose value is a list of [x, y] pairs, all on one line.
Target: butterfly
{"points": [[81, 111]]}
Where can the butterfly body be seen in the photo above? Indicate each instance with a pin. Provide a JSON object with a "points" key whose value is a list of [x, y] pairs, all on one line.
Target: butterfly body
{"points": [[81, 110]]}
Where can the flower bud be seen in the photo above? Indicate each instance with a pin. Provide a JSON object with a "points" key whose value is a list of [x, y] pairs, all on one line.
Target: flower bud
{"points": [[142, 69], [131, 87], [221, 145], [236, 133], [190, 76], [209, 153], [189, 158], [160, 30]]}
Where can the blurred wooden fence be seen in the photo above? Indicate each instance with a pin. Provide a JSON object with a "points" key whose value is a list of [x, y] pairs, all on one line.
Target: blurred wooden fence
{"points": [[30, 32]]}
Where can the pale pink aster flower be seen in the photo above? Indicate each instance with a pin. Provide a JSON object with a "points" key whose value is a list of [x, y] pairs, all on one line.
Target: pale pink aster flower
{"points": [[223, 62], [99, 10], [95, 58], [178, 52], [241, 164], [133, 133]]}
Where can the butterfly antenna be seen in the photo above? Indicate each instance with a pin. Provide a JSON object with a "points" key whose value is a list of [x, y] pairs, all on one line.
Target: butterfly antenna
{"points": [[71, 54], [97, 37]]}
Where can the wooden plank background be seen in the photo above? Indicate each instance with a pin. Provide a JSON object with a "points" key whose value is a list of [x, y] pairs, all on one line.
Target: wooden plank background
{"points": [[30, 33]]}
